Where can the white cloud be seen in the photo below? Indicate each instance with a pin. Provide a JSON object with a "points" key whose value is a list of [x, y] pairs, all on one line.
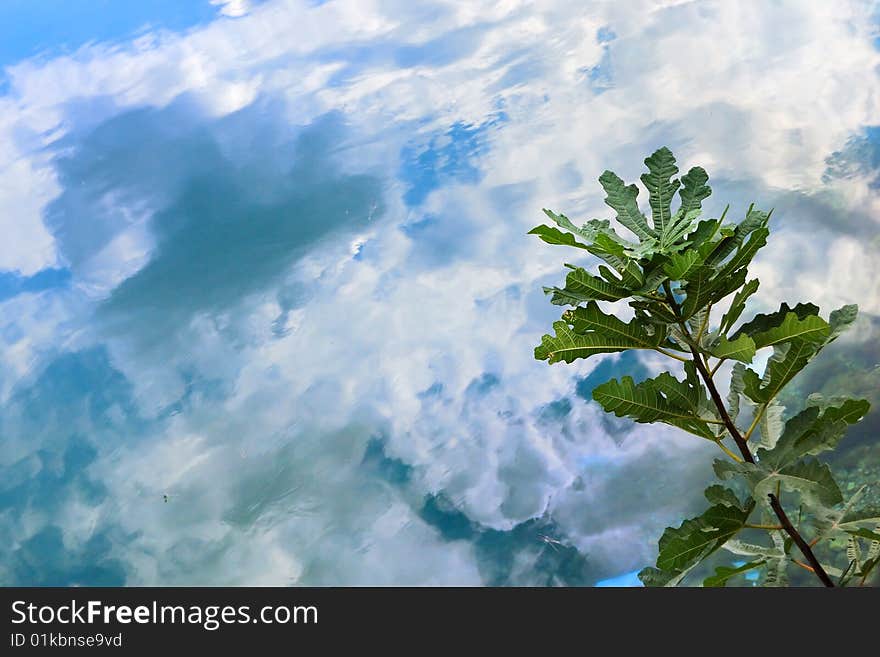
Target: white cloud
{"points": [[723, 82], [233, 8]]}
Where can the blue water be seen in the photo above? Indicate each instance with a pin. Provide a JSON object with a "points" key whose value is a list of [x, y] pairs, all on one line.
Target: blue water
{"points": [[267, 301]]}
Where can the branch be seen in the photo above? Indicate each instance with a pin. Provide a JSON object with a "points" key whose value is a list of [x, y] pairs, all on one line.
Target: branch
{"points": [[757, 419], [727, 451], [799, 541], [671, 355], [744, 449]]}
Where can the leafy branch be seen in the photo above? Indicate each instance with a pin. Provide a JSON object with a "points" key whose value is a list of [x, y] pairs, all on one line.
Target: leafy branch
{"points": [[674, 270]]}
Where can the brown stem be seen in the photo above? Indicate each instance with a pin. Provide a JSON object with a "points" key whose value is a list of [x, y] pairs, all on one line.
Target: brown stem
{"points": [[722, 409], [799, 541], [744, 448]]}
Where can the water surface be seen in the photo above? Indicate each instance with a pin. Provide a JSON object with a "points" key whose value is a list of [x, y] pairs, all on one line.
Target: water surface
{"points": [[267, 302]]}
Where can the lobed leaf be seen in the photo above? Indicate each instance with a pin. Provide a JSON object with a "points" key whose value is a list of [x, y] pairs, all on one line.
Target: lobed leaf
{"points": [[741, 349], [568, 346], [555, 236], [672, 240], [622, 199], [737, 386], [754, 220], [591, 319], [776, 568], [809, 478], [811, 329], [717, 494], [662, 399], [684, 547], [694, 189], [581, 286], [765, 322], [813, 431], [786, 362], [771, 425], [703, 288], [841, 319], [661, 168], [738, 305], [682, 264], [745, 253], [725, 573]]}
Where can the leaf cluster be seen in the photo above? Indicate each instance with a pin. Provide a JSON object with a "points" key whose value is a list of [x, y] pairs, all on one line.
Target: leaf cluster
{"points": [[685, 280]]}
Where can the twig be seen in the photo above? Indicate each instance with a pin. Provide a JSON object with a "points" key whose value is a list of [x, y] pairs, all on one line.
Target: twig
{"points": [[744, 448], [799, 541]]}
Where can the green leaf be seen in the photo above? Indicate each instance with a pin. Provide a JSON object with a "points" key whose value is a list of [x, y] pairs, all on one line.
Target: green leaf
{"points": [[602, 241], [863, 522], [591, 319], [654, 278], [594, 332], [827, 519], [853, 566], [703, 288], [555, 236], [659, 312], [860, 522], [568, 346], [662, 399], [742, 349], [841, 319], [771, 424], [661, 168], [765, 322], [720, 495], [755, 219], [750, 473], [737, 386], [811, 329], [740, 548], [680, 341], [607, 246], [868, 567], [609, 276], [745, 253], [681, 264], [864, 533], [840, 408], [724, 573], [776, 569], [786, 362], [588, 232], [810, 478], [652, 577], [813, 431], [684, 547], [751, 385], [633, 277], [701, 237], [581, 286], [681, 223], [694, 189], [622, 199], [738, 305]]}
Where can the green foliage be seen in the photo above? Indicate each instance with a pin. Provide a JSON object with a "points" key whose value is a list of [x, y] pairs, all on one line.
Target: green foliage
{"points": [[674, 269], [682, 548], [724, 573]]}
